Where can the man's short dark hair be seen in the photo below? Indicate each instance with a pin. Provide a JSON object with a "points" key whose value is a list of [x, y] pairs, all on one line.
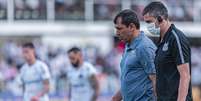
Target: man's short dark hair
{"points": [[156, 9], [74, 49], [128, 17], [28, 45]]}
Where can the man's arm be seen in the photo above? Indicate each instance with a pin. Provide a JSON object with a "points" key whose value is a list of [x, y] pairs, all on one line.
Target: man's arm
{"points": [[44, 91], [117, 96], [184, 81], [46, 87], [153, 79], [147, 55], [95, 86]]}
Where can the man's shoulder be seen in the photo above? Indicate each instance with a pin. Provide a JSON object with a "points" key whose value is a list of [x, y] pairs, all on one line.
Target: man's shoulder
{"points": [[88, 65], [41, 66], [147, 42], [39, 62], [175, 32], [178, 36]]}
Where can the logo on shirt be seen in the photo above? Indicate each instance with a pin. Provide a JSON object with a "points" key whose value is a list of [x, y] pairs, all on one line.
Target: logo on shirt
{"points": [[165, 47], [133, 51]]}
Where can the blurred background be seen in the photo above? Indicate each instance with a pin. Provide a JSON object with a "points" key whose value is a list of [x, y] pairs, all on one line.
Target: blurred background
{"points": [[56, 25]]}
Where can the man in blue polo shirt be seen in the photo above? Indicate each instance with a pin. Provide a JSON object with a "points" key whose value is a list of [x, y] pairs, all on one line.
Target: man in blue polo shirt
{"points": [[137, 64]]}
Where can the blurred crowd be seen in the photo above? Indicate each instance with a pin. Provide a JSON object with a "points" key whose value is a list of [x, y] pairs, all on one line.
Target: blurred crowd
{"points": [[30, 9], [69, 9], [3, 9], [11, 60], [196, 65], [196, 72], [179, 10]]}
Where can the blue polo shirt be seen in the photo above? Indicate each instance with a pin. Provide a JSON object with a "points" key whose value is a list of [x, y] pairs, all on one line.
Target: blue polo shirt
{"points": [[136, 65]]}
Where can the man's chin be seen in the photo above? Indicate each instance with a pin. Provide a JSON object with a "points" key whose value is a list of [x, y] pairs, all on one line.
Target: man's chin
{"points": [[122, 40]]}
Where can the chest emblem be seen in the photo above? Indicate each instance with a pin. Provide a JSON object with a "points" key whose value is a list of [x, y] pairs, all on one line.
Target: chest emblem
{"points": [[165, 47], [132, 51]]}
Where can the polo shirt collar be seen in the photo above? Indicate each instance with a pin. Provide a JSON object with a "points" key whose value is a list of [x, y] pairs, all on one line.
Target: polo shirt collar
{"points": [[167, 34], [135, 41]]}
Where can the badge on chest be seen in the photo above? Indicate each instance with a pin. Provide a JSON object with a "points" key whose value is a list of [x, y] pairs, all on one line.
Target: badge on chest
{"points": [[132, 52], [165, 46]]}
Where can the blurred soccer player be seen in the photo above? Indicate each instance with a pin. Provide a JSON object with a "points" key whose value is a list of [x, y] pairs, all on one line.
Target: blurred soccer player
{"points": [[137, 64], [173, 56], [82, 78], [34, 76]]}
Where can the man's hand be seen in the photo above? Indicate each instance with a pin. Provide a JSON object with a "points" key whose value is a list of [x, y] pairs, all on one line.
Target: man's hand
{"points": [[117, 96], [44, 91], [35, 98], [153, 79]]}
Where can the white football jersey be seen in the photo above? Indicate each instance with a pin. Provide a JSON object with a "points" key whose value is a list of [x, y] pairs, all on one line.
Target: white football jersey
{"points": [[32, 76], [79, 80]]}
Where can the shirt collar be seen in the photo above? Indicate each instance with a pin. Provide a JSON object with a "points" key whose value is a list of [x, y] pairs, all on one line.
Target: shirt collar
{"points": [[134, 41], [167, 33]]}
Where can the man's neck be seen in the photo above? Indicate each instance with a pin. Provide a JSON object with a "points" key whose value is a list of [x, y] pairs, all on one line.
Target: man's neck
{"points": [[164, 30], [134, 36], [80, 65], [32, 61]]}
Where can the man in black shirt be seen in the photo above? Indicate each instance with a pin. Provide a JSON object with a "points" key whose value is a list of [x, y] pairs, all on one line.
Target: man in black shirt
{"points": [[173, 56]]}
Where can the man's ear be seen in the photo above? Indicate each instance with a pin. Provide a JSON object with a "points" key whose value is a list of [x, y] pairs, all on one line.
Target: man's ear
{"points": [[160, 19], [132, 26]]}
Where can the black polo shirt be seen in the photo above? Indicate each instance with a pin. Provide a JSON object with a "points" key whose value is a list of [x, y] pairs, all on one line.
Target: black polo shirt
{"points": [[174, 50]]}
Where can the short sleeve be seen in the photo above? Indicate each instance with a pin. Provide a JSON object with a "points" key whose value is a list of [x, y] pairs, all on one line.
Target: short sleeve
{"points": [[147, 56], [45, 74], [181, 50], [91, 70]]}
